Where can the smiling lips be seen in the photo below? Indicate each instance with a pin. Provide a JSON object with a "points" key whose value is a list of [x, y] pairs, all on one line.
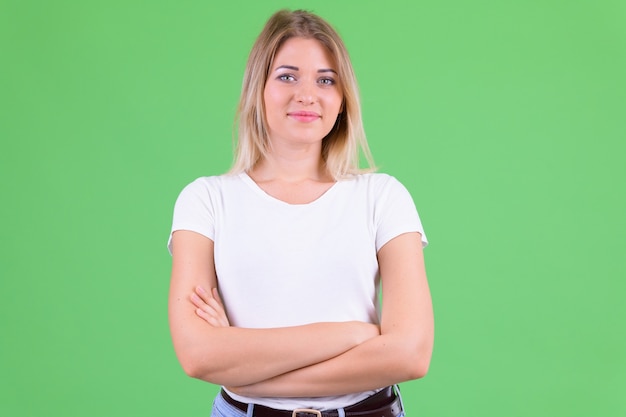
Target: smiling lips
{"points": [[304, 116]]}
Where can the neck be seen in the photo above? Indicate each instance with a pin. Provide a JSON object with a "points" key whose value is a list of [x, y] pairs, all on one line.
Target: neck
{"points": [[291, 166]]}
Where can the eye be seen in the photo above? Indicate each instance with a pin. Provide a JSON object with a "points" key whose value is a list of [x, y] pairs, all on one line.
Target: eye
{"points": [[286, 77], [327, 81]]}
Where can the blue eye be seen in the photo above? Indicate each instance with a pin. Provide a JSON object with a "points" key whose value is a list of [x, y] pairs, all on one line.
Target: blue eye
{"points": [[326, 81], [286, 77]]}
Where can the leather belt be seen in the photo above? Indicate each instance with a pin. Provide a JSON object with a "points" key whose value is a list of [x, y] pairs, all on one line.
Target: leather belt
{"points": [[384, 403]]}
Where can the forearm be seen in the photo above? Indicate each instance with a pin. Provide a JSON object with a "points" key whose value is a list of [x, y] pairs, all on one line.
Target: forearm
{"points": [[403, 350], [234, 356], [379, 362]]}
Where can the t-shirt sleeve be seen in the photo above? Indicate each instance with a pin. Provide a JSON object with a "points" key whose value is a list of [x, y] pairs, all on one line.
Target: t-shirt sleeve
{"points": [[395, 213], [193, 211]]}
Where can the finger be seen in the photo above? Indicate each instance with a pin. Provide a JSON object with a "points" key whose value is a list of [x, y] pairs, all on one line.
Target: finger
{"points": [[209, 309], [203, 314], [215, 305], [203, 294], [217, 312], [216, 295], [208, 301], [218, 306], [197, 301], [209, 318]]}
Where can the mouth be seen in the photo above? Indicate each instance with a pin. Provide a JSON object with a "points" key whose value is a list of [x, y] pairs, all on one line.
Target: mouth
{"points": [[304, 116]]}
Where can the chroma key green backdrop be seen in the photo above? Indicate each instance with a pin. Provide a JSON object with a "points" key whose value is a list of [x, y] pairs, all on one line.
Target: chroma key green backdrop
{"points": [[506, 121]]}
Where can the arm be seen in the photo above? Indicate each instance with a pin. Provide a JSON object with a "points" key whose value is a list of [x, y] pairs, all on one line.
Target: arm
{"points": [[402, 351], [236, 356]]}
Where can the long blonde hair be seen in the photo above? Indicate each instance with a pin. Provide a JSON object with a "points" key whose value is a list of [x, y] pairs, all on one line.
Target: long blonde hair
{"points": [[346, 142]]}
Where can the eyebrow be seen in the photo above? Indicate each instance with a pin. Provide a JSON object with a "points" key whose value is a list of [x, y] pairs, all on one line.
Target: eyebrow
{"points": [[291, 67]]}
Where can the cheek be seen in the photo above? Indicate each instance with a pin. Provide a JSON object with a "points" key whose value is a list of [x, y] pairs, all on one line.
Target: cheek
{"points": [[338, 103], [273, 106], [272, 97], [267, 101], [268, 98]]}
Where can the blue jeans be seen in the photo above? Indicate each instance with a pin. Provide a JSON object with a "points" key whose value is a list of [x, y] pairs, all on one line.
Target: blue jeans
{"points": [[222, 409]]}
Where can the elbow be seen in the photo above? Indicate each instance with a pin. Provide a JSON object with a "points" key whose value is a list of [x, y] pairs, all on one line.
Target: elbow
{"points": [[416, 361], [194, 366], [191, 366], [196, 354], [195, 370], [418, 368], [192, 369]]}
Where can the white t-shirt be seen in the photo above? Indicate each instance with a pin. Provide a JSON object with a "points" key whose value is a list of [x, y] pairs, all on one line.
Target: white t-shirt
{"points": [[281, 264]]}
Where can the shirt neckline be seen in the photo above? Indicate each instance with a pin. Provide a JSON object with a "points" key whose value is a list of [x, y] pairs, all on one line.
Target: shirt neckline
{"points": [[248, 180]]}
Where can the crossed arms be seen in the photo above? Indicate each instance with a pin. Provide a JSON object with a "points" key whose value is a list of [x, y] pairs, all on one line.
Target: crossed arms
{"points": [[312, 360]]}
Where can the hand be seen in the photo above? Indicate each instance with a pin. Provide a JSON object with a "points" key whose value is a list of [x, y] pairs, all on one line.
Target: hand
{"points": [[209, 307]]}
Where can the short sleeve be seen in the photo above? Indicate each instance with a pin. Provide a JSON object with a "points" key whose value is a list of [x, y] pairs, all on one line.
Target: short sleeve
{"points": [[395, 212], [194, 211]]}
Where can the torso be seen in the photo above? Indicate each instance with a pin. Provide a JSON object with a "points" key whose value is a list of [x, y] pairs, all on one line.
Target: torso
{"points": [[289, 258]]}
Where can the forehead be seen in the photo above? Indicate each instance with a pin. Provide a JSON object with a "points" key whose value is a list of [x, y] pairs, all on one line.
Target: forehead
{"points": [[306, 51]]}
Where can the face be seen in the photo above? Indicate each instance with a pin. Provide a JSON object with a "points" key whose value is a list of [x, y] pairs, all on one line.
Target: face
{"points": [[302, 94]]}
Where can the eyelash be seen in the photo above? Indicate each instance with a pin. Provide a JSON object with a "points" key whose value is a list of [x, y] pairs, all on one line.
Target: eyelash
{"points": [[326, 81]]}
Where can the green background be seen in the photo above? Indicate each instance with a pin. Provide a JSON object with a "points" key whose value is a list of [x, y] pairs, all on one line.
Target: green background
{"points": [[505, 119]]}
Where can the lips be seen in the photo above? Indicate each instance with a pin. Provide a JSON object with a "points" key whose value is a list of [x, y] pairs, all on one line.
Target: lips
{"points": [[304, 116]]}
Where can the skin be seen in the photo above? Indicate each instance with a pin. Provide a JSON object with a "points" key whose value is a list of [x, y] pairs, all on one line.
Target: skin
{"points": [[246, 356], [273, 362], [303, 80]]}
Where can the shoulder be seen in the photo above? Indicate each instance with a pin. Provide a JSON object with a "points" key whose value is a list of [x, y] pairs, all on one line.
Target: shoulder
{"points": [[383, 192], [394, 211], [376, 183], [206, 191], [206, 186]]}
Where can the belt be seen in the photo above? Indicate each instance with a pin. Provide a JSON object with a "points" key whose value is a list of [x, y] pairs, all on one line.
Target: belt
{"points": [[385, 403]]}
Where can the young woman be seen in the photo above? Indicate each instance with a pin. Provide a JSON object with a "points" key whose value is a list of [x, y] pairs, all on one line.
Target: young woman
{"points": [[296, 240]]}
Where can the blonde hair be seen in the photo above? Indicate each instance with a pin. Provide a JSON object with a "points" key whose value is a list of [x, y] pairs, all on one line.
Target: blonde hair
{"points": [[345, 143]]}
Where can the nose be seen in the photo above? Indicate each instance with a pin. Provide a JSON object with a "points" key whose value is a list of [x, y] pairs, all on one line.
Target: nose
{"points": [[305, 94]]}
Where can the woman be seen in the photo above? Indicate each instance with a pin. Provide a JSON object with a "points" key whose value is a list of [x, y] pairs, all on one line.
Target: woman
{"points": [[295, 240]]}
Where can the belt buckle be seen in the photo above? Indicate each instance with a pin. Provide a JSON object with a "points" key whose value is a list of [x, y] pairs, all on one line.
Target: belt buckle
{"points": [[317, 413]]}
